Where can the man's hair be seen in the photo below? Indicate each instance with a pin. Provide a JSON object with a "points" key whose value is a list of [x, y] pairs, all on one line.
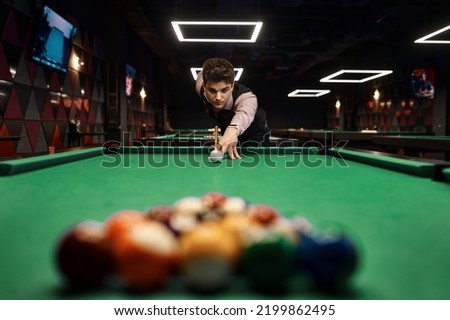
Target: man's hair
{"points": [[217, 70]]}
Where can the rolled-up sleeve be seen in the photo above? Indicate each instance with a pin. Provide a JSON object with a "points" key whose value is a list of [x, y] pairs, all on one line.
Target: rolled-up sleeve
{"points": [[199, 83], [246, 106]]}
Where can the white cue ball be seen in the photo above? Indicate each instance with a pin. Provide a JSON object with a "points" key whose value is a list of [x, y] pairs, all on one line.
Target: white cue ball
{"points": [[215, 156]]}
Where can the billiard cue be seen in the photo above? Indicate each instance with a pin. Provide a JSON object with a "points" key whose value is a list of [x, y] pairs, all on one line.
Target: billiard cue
{"points": [[216, 133]]}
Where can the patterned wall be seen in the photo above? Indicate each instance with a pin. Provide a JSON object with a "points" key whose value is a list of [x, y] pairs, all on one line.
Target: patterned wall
{"points": [[413, 115], [37, 102]]}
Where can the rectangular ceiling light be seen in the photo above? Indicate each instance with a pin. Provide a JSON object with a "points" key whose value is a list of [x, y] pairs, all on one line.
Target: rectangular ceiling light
{"points": [[238, 73], [177, 28], [308, 93], [373, 74], [426, 39]]}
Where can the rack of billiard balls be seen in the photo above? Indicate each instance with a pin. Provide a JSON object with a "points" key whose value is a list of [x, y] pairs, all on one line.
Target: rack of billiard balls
{"points": [[204, 242]]}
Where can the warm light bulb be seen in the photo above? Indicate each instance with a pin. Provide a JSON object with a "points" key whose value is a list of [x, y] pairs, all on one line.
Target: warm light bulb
{"points": [[376, 94], [142, 93], [338, 104]]}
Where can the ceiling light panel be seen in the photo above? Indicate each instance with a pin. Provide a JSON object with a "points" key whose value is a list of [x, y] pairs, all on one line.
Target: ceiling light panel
{"points": [[428, 37], [355, 76], [237, 71], [308, 93], [179, 26]]}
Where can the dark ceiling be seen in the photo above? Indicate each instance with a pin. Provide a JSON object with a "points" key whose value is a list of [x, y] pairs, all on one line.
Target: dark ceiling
{"points": [[297, 35]]}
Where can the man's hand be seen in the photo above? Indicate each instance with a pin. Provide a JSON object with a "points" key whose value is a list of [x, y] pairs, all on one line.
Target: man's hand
{"points": [[228, 143]]}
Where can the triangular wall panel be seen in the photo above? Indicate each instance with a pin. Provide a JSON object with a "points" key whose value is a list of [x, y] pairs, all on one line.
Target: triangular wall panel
{"points": [[56, 138], [10, 33], [32, 69], [33, 128], [54, 84], [32, 112], [24, 145], [41, 142], [47, 112], [13, 110], [48, 128], [61, 115], [5, 88], [6, 147], [22, 75], [39, 78], [67, 88], [22, 6], [23, 94], [5, 73]]}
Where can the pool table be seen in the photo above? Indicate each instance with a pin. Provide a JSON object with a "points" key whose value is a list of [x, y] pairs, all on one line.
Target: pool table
{"points": [[356, 139], [201, 138], [416, 143], [398, 218]]}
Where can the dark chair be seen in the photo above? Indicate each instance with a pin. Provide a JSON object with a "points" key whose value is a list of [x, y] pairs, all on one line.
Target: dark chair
{"points": [[73, 135]]}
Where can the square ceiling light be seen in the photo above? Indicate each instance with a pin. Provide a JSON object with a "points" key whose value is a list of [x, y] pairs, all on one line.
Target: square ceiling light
{"points": [[426, 39], [364, 75], [237, 71], [206, 25], [308, 93]]}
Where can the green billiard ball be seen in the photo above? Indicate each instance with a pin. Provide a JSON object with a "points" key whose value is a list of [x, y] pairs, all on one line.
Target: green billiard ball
{"points": [[268, 263]]}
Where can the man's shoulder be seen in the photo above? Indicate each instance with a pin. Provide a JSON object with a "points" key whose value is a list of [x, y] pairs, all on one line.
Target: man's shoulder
{"points": [[239, 89]]}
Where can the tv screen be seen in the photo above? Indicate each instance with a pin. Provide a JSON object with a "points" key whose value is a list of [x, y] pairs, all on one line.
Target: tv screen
{"points": [[53, 40], [129, 79]]}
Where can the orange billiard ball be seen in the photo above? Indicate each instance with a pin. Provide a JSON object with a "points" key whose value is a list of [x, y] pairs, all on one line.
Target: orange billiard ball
{"points": [[146, 255]]}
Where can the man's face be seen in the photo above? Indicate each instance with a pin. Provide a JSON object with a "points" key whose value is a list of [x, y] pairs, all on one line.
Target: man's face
{"points": [[218, 93]]}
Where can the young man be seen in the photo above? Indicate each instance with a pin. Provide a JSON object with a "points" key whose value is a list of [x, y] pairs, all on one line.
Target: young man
{"points": [[233, 106]]}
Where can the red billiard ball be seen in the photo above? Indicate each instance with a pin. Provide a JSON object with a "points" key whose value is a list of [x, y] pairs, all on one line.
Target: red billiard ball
{"points": [[146, 256], [118, 223], [214, 200], [83, 256], [263, 214], [161, 213]]}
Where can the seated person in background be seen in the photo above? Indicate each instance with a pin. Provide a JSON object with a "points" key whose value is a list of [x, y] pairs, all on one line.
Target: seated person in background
{"points": [[232, 105]]}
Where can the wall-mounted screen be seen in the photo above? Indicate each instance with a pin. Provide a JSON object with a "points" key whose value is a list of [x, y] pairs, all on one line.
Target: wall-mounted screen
{"points": [[422, 80], [129, 79], [53, 40]]}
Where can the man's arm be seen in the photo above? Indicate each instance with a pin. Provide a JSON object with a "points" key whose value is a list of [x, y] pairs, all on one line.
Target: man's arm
{"points": [[199, 83], [246, 106]]}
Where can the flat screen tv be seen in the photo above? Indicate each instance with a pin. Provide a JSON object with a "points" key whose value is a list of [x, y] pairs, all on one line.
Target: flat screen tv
{"points": [[53, 40], [129, 79]]}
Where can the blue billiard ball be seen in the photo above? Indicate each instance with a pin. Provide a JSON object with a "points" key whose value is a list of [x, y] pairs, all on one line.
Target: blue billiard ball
{"points": [[328, 259]]}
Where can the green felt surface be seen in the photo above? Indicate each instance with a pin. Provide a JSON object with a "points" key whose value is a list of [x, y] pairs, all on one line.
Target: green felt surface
{"points": [[33, 163], [400, 221], [418, 168]]}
